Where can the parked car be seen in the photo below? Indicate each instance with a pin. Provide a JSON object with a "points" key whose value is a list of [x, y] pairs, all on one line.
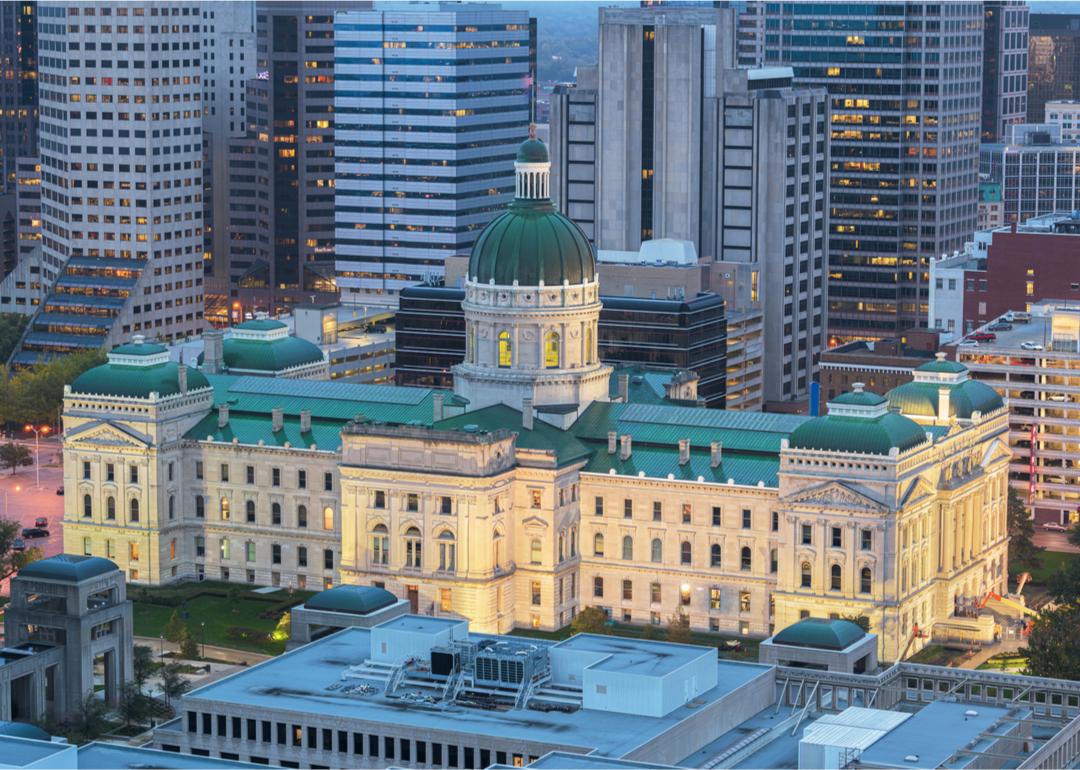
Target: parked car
{"points": [[1053, 526], [18, 545], [34, 532], [982, 336], [967, 344], [41, 522], [1057, 397], [1031, 345], [59, 490], [1016, 316], [1001, 326]]}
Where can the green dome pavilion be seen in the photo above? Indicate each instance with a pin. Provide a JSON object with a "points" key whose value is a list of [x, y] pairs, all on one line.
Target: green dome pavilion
{"points": [[922, 396], [136, 370], [861, 422]]}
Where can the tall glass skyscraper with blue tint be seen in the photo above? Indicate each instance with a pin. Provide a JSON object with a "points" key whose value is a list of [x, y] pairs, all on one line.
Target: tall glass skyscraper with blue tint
{"points": [[904, 81], [430, 106]]}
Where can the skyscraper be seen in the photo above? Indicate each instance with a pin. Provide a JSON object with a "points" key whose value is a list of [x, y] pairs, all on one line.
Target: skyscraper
{"points": [[431, 105], [1053, 61], [904, 148], [121, 177], [685, 146], [18, 87], [1005, 59]]}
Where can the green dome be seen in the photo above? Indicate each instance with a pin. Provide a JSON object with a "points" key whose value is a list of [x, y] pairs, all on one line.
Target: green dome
{"points": [[356, 600], [878, 435], [272, 356], [920, 399], [135, 381], [68, 568], [859, 398], [139, 348], [532, 151], [529, 243], [820, 634], [943, 366]]}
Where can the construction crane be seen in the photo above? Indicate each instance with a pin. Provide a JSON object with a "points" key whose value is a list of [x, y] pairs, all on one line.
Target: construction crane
{"points": [[1022, 581], [917, 633], [1008, 603]]}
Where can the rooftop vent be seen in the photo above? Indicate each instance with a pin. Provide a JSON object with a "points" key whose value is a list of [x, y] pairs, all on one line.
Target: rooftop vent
{"points": [[911, 758]]}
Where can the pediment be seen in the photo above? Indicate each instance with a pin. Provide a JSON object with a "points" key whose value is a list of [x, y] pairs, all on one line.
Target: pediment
{"points": [[104, 433], [919, 489], [995, 451], [837, 496], [534, 523]]}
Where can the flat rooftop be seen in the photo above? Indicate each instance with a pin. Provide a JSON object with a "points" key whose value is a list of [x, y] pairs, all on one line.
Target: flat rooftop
{"points": [[627, 656], [564, 760], [298, 682], [114, 756], [1036, 330], [22, 752], [420, 624], [934, 734]]}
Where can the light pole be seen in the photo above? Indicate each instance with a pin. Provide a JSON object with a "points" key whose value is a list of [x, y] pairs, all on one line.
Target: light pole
{"points": [[203, 624], [161, 654], [37, 447]]}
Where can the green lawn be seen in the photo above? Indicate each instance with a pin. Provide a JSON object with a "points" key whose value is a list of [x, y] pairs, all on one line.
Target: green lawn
{"points": [[219, 613], [936, 655], [1005, 661], [749, 650], [1049, 563]]}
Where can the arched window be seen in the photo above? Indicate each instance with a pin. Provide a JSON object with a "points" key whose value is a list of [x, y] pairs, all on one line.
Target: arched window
{"points": [[380, 545], [328, 518], [412, 548], [496, 549], [746, 559], [865, 580], [562, 545], [506, 350], [551, 350], [447, 552], [535, 551], [200, 507], [301, 516], [134, 507], [275, 514], [835, 577], [656, 550], [224, 508], [588, 344], [172, 507], [714, 555], [628, 548], [249, 511], [598, 544], [685, 552], [87, 506], [807, 575]]}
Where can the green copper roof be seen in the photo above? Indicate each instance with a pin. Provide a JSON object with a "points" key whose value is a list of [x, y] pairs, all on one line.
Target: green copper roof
{"points": [[920, 399], [529, 243], [139, 349], [542, 436], [943, 366], [356, 600], [877, 435], [859, 398], [261, 325], [269, 356], [68, 568], [532, 151], [658, 462], [821, 634], [136, 381]]}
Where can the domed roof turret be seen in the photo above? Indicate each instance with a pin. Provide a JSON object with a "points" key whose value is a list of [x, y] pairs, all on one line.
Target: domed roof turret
{"points": [[532, 243], [922, 396], [819, 633], [136, 370], [265, 345], [858, 422]]}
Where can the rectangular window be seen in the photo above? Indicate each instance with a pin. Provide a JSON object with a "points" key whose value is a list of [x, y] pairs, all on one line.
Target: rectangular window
{"points": [[687, 513], [250, 551], [87, 549], [714, 598], [657, 510], [654, 593], [628, 508], [224, 472], [747, 517], [866, 540], [446, 505], [807, 534], [275, 477], [200, 546], [301, 479], [535, 592], [328, 559], [249, 474], [380, 499], [110, 472], [133, 551], [627, 590], [328, 518], [86, 469], [275, 553], [744, 601], [717, 516], [535, 498], [133, 474], [301, 556], [598, 587], [775, 521], [412, 502], [198, 469], [837, 537]]}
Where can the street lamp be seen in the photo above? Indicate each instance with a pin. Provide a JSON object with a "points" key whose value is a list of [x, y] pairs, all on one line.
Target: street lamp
{"points": [[203, 624], [37, 446]]}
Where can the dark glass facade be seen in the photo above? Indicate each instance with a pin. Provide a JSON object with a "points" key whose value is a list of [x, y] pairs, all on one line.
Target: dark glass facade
{"points": [[691, 334], [1053, 61], [18, 86]]}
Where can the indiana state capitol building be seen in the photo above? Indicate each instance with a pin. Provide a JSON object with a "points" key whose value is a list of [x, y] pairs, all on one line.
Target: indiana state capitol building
{"points": [[545, 482]]}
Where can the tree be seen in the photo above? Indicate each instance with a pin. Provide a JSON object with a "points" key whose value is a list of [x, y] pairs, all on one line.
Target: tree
{"points": [[678, 627], [1074, 534], [88, 722], [861, 621], [1064, 585], [189, 648], [11, 329], [175, 628], [283, 629], [591, 620], [234, 595], [11, 561], [1053, 647], [173, 682], [142, 665], [35, 395], [1022, 549], [134, 707], [650, 631], [13, 455]]}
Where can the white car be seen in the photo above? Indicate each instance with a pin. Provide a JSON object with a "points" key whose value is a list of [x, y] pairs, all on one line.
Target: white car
{"points": [[967, 343], [1053, 526], [1030, 345]]}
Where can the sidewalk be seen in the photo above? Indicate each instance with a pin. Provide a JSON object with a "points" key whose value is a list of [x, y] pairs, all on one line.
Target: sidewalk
{"points": [[235, 657], [990, 650]]}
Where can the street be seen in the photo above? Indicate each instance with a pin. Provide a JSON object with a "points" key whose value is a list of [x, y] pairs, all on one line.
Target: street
{"points": [[1054, 541], [22, 501]]}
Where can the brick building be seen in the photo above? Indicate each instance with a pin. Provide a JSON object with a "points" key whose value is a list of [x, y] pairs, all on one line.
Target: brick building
{"points": [[880, 365]]}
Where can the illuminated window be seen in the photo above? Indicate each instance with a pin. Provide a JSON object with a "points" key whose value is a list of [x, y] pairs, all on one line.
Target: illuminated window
{"points": [[551, 350], [588, 345], [506, 350]]}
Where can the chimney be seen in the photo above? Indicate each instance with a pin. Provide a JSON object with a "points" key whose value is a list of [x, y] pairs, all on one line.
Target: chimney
{"points": [[305, 420], [437, 403], [213, 351], [612, 441], [684, 451], [222, 415], [943, 395], [277, 419], [715, 449], [527, 413], [181, 377], [624, 447], [624, 388]]}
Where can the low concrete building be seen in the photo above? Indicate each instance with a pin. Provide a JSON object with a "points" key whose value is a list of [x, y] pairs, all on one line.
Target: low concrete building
{"points": [[345, 606], [829, 645]]}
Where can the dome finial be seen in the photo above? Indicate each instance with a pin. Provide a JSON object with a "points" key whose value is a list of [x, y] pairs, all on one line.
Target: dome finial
{"points": [[532, 130], [940, 355], [857, 387]]}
